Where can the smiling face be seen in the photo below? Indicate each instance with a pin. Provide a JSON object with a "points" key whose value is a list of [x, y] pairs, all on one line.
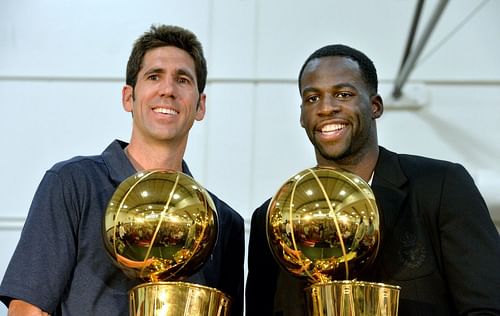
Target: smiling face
{"points": [[165, 101], [337, 111]]}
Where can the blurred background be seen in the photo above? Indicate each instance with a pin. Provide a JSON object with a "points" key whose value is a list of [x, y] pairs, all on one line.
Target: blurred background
{"points": [[62, 67]]}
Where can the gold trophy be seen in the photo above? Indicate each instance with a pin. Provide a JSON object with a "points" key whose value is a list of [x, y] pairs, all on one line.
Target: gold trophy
{"points": [[323, 226], [161, 226]]}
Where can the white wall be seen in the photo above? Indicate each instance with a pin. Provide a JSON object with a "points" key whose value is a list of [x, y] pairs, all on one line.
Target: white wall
{"points": [[62, 67]]}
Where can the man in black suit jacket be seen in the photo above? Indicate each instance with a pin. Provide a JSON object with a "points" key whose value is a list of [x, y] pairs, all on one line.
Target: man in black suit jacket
{"points": [[438, 240]]}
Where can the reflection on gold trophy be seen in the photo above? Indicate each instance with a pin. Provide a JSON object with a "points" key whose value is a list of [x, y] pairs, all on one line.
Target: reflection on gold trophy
{"points": [[161, 226], [323, 226]]}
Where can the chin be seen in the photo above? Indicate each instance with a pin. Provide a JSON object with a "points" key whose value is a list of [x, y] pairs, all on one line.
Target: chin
{"points": [[333, 154]]}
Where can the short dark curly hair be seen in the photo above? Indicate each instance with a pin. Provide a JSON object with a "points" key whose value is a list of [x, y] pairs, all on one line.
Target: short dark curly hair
{"points": [[167, 35], [368, 71]]}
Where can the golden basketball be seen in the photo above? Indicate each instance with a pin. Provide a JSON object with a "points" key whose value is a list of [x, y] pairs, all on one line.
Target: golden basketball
{"points": [[323, 225], [160, 225]]}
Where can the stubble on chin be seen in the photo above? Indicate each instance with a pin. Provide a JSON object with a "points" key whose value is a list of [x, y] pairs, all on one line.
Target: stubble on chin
{"points": [[331, 155], [336, 154]]}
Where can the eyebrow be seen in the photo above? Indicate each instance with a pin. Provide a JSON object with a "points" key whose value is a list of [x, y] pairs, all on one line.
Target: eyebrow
{"points": [[179, 71], [186, 72], [335, 87], [309, 90], [345, 85], [153, 71]]}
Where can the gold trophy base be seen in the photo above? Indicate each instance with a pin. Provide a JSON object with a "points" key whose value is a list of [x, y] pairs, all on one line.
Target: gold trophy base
{"points": [[352, 298], [177, 299]]}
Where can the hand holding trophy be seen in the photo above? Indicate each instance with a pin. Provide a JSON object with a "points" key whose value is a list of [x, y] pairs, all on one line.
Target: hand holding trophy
{"points": [[161, 226], [323, 225]]}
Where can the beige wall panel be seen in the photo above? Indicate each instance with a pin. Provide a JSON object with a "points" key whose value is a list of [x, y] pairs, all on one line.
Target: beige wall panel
{"points": [[233, 41], [46, 122], [85, 38], [281, 145], [224, 163], [288, 32]]}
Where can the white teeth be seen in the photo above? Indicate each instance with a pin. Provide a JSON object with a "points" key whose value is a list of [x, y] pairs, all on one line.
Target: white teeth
{"points": [[332, 127], [165, 111]]}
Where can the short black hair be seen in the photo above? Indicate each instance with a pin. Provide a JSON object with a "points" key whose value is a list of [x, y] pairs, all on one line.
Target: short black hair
{"points": [[167, 35], [368, 71]]}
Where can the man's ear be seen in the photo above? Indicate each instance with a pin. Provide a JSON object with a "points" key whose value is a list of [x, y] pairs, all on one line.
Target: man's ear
{"points": [[128, 98], [377, 106], [201, 107]]}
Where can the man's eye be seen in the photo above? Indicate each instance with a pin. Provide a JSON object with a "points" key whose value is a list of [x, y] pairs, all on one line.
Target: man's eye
{"points": [[312, 99], [183, 80], [153, 77], [343, 95]]}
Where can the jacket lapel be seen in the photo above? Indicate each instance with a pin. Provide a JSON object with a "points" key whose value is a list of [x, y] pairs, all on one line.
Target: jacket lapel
{"points": [[388, 187]]}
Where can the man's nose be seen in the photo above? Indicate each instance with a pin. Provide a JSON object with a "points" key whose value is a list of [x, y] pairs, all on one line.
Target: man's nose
{"points": [[167, 87], [328, 105]]}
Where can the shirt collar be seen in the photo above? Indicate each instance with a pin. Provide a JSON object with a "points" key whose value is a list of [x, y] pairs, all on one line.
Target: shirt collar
{"points": [[120, 168]]}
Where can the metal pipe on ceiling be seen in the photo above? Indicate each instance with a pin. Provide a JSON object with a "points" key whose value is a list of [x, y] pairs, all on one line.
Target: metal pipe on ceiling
{"points": [[410, 61]]}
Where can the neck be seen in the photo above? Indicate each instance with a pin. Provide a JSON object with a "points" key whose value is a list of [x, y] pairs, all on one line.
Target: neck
{"points": [[363, 165], [155, 156]]}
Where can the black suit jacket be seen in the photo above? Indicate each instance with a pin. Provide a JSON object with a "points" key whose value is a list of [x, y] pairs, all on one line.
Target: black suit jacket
{"points": [[438, 243]]}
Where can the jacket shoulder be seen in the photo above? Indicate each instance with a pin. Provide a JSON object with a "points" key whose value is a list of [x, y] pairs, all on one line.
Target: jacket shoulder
{"points": [[419, 167]]}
